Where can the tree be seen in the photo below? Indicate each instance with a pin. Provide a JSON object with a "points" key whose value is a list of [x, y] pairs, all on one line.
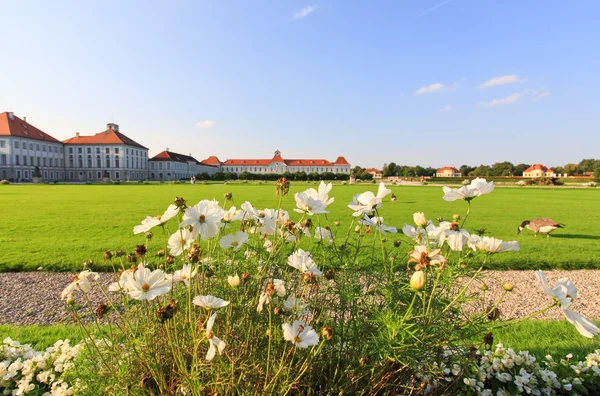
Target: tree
{"points": [[588, 165], [218, 176], [597, 173], [246, 176], [466, 169], [203, 176], [571, 169], [481, 170], [502, 169], [390, 170], [518, 169]]}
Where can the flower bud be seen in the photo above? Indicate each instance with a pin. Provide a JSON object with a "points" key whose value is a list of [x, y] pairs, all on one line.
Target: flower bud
{"points": [[234, 281], [278, 311], [149, 235], [484, 287], [329, 274], [119, 253], [160, 253], [418, 280], [327, 333], [107, 256], [337, 223], [170, 259], [70, 299], [420, 219], [508, 286], [397, 243], [440, 219], [245, 277], [456, 217], [357, 229]]}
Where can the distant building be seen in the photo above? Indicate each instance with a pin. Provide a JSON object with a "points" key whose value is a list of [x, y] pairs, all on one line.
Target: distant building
{"points": [[23, 147], [106, 154], [376, 173], [538, 170], [448, 171], [279, 165], [167, 165]]}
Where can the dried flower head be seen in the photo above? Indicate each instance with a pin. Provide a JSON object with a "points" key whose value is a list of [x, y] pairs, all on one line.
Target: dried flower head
{"points": [[167, 312], [329, 274], [119, 253], [149, 235], [282, 187], [327, 333], [180, 203], [160, 253], [245, 277], [101, 310], [132, 258], [107, 256], [228, 196], [170, 259], [141, 250]]}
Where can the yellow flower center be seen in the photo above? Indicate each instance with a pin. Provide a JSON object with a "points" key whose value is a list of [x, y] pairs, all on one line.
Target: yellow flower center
{"points": [[184, 276], [297, 340], [202, 218], [145, 287], [158, 218], [234, 243], [210, 334]]}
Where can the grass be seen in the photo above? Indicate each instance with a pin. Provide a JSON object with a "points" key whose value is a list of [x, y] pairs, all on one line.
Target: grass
{"points": [[540, 337], [57, 227]]}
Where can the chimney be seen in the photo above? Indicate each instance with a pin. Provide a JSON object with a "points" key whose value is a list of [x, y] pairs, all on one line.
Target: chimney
{"points": [[24, 119], [167, 149], [11, 115], [76, 134], [114, 127]]}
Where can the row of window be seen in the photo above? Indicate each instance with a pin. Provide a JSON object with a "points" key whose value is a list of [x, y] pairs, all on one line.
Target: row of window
{"points": [[137, 164], [277, 170], [38, 147], [81, 175], [167, 165], [33, 161], [136, 153], [26, 174]]}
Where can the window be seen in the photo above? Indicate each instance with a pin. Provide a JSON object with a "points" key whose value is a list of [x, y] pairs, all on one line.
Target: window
{"points": [[71, 152], [97, 150], [108, 161], [2, 143], [61, 151], [71, 163], [26, 174], [107, 150], [56, 149], [38, 161], [31, 161], [98, 162], [79, 161], [89, 150], [71, 175], [18, 174], [3, 160], [37, 147], [16, 144], [30, 146], [79, 149], [116, 175], [117, 162], [126, 151], [89, 175], [24, 160], [52, 174], [117, 150], [44, 161], [43, 147], [99, 175], [17, 160], [89, 162]]}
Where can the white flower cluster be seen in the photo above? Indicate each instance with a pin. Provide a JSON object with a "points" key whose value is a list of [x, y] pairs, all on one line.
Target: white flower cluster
{"points": [[504, 372], [590, 184], [24, 370]]}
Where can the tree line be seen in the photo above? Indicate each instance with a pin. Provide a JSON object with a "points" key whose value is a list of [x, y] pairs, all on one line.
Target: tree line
{"points": [[500, 169]]}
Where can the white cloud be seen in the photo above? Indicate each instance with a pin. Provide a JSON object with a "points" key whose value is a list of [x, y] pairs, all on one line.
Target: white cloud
{"points": [[537, 94], [509, 99], [447, 108], [306, 11], [541, 95], [205, 124], [430, 88], [508, 79]]}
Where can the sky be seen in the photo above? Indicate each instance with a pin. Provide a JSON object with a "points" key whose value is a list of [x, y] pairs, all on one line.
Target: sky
{"points": [[428, 82]]}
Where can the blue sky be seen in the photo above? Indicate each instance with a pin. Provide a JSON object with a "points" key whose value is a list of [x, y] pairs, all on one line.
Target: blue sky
{"points": [[375, 81]]}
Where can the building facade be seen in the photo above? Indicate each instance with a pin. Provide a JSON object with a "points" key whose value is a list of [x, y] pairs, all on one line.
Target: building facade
{"points": [[376, 173], [25, 148], [448, 171], [538, 170], [279, 165], [108, 154], [167, 165]]}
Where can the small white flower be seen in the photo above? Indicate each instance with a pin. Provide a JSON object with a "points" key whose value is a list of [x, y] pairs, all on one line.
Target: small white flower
{"points": [[179, 241], [234, 241], [377, 223], [234, 281], [210, 302], [150, 222], [367, 202], [80, 282], [146, 284], [303, 261], [300, 334], [294, 305], [184, 274], [214, 342], [204, 217], [420, 219], [323, 234], [491, 245]]}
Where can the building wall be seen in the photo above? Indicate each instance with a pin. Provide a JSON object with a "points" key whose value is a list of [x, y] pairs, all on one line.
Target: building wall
{"points": [[19, 156], [88, 162], [174, 170], [448, 173], [279, 167]]}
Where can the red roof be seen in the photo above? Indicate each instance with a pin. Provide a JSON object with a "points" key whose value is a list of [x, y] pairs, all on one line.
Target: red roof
{"points": [[170, 156], [341, 161], [212, 160], [307, 162], [17, 127], [448, 168], [109, 136], [373, 170], [541, 167], [247, 162]]}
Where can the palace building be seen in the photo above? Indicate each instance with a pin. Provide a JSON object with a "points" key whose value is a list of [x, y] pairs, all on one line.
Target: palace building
{"points": [[24, 147], [278, 164], [167, 165], [108, 154]]}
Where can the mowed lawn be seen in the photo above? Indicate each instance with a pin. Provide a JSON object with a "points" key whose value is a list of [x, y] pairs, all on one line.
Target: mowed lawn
{"points": [[57, 227]]}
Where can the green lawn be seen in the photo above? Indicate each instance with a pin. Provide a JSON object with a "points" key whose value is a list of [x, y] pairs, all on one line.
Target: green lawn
{"points": [[58, 227]]}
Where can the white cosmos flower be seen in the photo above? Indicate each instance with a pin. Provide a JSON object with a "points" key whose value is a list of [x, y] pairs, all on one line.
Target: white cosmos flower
{"points": [[294, 305], [147, 285], [214, 342], [564, 291], [323, 234], [279, 287], [80, 282], [250, 211], [178, 242], [476, 188], [184, 274], [420, 219], [150, 222], [269, 219], [300, 334], [491, 245], [366, 202], [425, 258], [210, 302], [235, 241], [305, 203], [232, 215], [377, 222], [121, 284], [457, 239], [418, 234], [303, 261], [233, 280], [204, 217], [264, 298]]}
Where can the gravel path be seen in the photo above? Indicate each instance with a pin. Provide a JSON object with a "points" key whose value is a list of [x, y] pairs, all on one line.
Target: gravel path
{"points": [[34, 297]]}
